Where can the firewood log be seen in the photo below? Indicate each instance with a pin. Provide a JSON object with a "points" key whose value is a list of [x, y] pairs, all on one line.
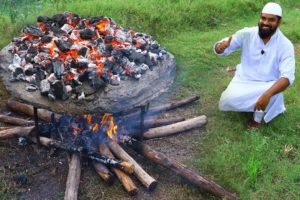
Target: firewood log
{"points": [[166, 107], [73, 179], [17, 131], [152, 123], [177, 104], [104, 172], [28, 110], [171, 129], [149, 182], [15, 120], [123, 177], [2, 128], [180, 169]]}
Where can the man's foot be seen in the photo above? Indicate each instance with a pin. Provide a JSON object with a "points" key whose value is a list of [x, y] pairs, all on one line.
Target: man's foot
{"points": [[253, 124]]}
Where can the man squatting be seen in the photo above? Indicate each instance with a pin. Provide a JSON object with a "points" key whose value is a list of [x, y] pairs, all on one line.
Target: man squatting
{"points": [[267, 68]]}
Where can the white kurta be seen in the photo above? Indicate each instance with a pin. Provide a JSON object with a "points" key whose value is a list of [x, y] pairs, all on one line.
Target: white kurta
{"points": [[258, 71]]}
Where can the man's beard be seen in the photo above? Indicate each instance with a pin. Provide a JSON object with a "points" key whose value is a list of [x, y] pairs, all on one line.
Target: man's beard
{"points": [[266, 33]]}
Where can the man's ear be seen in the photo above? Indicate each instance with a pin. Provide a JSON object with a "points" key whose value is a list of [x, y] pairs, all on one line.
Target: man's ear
{"points": [[279, 21]]}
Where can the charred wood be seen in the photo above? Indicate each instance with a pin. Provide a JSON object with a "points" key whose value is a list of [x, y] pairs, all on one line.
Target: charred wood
{"points": [[143, 176], [104, 173], [124, 178], [94, 156]]}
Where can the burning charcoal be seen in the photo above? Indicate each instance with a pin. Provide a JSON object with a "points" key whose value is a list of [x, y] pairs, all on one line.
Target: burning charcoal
{"points": [[44, 87], [29, 79], [137, 76], [39, 73], [57, 31], [44, 19], [67, 28], [75, 83], [80, 25], [49, 68], [46, 39], [136, 57], [83, 76], [95, 20], [17, 60], [150, 63], [59, 89], [69, 88], [29, 70], [29, 58], [32, 50], [143, 68], [52, 78], [33, 30], [75, 64], [63, 46], [51, 96], [96, 81], [59, 19], [115, 80], [58, 68], [108, 47], [17, 71], [31, 88], [99, 41], [82, 51], [87, 34], [108, 39]]}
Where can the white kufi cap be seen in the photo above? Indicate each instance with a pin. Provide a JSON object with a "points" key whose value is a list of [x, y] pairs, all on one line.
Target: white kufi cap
{"points": [[273, 9]]}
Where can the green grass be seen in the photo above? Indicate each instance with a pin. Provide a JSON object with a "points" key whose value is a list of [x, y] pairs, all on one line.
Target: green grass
{"points": [[251, 163]]}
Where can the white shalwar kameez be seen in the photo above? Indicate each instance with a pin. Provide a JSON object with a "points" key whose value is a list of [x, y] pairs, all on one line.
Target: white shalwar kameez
{"points": [[261, 66]]}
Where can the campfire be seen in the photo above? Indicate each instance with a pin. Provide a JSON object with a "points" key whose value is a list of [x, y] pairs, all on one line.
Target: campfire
{"points": [[100, 138], [87, 83]]}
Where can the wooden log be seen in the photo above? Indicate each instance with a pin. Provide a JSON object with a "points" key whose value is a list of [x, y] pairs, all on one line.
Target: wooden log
{"points": [[171, 129], [152, 123], [73, 179], [177, 104], [149, 182], [180, 169], [166, 107], [28, 110], [17, 131], [123, 177], [15, 120], [104, 172], [2, 128]]}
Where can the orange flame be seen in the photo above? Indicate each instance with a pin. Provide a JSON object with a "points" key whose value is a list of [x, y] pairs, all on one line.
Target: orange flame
{"points": [[108, 120]]}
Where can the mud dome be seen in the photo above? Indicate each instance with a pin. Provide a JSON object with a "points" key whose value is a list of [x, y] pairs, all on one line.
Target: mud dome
{"points": [[111, 99]]}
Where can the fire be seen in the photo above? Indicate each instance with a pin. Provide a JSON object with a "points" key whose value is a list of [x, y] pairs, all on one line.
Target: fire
{"points": [[108, 121]]}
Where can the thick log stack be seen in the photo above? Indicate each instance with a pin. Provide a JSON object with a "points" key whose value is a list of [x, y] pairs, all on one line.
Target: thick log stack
{"points": [[156, 129]]}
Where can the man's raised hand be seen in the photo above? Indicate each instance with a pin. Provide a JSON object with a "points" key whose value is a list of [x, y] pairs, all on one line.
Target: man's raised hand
{"points": [[221, 46]]}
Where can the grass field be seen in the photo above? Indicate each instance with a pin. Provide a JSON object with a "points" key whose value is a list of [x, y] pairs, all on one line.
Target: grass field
{"points": [[259, 164]]}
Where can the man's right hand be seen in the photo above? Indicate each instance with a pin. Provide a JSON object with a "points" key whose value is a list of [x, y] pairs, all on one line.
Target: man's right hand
{"points": [[221, 46]]}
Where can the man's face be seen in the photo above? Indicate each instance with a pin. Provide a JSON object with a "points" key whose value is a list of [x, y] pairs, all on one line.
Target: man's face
{"points": [[267, 25]]}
